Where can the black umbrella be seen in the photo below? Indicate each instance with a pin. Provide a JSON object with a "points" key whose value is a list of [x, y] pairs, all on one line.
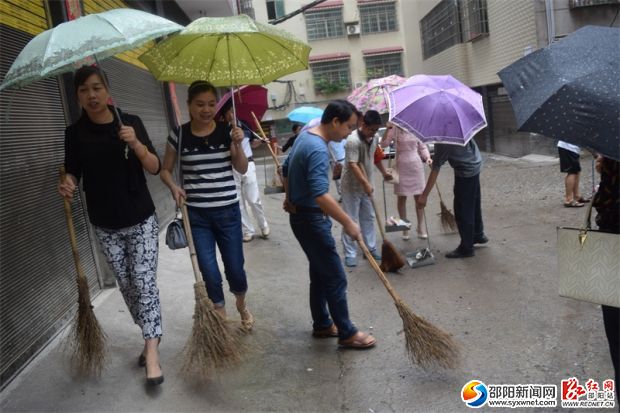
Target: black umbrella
{"points": [[570, 90]]}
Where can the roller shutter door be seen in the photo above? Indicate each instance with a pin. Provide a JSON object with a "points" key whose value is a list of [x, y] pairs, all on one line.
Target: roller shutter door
{"points": [[37, 274]]}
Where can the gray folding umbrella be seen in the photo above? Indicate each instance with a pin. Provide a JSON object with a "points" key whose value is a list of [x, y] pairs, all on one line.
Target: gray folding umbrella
{"points": [[570, 90]]}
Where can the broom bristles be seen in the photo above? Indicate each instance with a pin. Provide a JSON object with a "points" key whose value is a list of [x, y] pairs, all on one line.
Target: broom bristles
{"points": [[391, 259], [212, 345], [426, 344], [87, 337], [448, 221]]}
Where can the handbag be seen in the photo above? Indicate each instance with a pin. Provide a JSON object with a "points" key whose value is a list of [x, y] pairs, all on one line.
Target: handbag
{"points": [[589, 264], [175, 233]]}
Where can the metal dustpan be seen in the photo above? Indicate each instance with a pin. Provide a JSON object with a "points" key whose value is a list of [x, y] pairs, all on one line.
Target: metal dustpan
{"points": [[422, 256]]}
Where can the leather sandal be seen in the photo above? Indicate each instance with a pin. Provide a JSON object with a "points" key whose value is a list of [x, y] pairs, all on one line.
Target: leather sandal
{"points": [[331, 331], [358, 340]]}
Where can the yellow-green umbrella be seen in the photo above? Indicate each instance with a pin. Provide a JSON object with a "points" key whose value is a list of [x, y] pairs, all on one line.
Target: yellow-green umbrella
{"points": [[227, 51]]}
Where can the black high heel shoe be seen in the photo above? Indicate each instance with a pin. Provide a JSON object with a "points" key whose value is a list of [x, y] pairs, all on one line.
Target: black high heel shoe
{"points": [[153, 381]]}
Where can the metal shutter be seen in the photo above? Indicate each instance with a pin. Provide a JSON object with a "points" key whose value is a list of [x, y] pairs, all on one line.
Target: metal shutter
{"points": [[37, 273], [135, 91]]}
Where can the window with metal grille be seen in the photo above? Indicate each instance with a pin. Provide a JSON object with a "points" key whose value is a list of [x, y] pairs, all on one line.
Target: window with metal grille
{"points": [[475, 22], [331, 77], [245, 7], [383, 65], [275, 9], [440, 28], [377, 18], [324, 24]]}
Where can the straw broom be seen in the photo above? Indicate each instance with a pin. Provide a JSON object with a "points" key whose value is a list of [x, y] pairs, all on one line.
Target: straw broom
{"points": [[87, 339], [212, 345], [391, 259], [448, 222], [426, 344]]}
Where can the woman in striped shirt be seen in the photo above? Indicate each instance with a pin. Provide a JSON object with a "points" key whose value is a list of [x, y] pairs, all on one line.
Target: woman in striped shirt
{"points": [[209, 150]]}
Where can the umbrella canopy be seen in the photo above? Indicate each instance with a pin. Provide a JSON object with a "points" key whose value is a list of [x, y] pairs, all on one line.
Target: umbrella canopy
{"points": [[437, 109], [227, 51], [304, 114], [374, 94], [100, 35], [570, 90], [248, 99]]}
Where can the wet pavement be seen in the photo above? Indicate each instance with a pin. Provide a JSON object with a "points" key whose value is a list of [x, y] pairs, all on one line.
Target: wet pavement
{"points": [[502, 306]]}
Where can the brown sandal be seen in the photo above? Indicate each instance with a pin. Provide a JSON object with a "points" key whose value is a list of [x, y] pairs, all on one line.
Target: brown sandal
{"points": [[331, 331], [358, 340]]}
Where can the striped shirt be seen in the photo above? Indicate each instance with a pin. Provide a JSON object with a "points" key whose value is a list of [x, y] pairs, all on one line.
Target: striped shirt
{"points": [[206, 164]]}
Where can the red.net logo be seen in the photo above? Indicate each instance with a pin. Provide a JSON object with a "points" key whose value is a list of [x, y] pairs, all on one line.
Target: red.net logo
{"points": [[589, 395]]}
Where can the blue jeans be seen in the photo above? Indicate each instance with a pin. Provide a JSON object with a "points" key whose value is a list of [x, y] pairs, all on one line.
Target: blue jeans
{"points": [[328, 281], [221, 226]]}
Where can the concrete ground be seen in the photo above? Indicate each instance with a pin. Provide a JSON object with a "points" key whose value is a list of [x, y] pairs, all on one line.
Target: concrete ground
{"points": [[501, 306]]}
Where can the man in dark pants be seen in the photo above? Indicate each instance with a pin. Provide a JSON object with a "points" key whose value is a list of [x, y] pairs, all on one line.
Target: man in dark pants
{"points": [[467, 164]]}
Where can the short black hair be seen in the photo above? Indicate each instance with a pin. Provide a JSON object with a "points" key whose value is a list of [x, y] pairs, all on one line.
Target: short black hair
{"points": [[198, 87], [339, 109], [295, 127], [84, 72], [372, 117]]}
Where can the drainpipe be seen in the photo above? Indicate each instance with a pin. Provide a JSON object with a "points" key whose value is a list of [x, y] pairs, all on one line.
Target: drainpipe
{"points": [[550, 21]]}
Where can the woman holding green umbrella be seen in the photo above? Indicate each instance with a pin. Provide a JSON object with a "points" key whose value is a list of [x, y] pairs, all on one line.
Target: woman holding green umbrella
{"points": [[209, 151], [118, 200]]}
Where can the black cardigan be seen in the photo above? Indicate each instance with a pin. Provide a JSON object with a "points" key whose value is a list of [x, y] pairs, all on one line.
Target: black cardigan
{"points": [[116, 192]]}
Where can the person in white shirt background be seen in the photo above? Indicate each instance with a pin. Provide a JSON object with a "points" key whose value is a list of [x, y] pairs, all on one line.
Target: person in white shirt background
{"points": [[569, 164], [247, 184]]}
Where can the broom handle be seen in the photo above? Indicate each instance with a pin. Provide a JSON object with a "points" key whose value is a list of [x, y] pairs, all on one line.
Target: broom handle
{"points": [[438, 192], [260, 129], [71, 228], [375, 266], [190, 243], [374, 205]]}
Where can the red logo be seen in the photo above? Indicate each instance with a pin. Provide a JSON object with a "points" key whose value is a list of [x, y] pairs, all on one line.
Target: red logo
{"points": [[572, 390]]}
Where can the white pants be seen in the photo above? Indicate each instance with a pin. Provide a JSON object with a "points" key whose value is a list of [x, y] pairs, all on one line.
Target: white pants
{"points": [[249, 196], [358, 206]]}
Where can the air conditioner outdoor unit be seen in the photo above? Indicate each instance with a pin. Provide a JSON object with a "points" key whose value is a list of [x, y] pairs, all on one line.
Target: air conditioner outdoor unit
{"points": [[359, 84], [353, 29]]}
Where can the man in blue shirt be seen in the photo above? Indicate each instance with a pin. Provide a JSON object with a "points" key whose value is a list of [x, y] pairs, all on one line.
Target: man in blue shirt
{"points": [[306, 180], [467, 164]]}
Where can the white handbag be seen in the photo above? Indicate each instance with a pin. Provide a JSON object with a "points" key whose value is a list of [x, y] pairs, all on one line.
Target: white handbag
{"points": [[589, 264]]}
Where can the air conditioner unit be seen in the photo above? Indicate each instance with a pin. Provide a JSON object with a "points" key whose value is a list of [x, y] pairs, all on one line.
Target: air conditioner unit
{"points": [[353, 29], [359, 84]]}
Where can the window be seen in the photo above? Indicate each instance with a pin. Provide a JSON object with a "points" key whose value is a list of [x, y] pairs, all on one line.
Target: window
{"points": [[245, 7], [378, 18], [275, 9], [331, 77], [324, 24], [383, 65], [475, 22], [440, 28]]}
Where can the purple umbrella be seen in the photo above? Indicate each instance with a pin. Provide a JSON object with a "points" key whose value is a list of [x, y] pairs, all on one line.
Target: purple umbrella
{"points": [[437, 109]]}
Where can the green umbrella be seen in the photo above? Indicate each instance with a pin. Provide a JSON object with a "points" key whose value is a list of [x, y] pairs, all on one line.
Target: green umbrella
{"points": [[227, 51], [100, 35]]}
